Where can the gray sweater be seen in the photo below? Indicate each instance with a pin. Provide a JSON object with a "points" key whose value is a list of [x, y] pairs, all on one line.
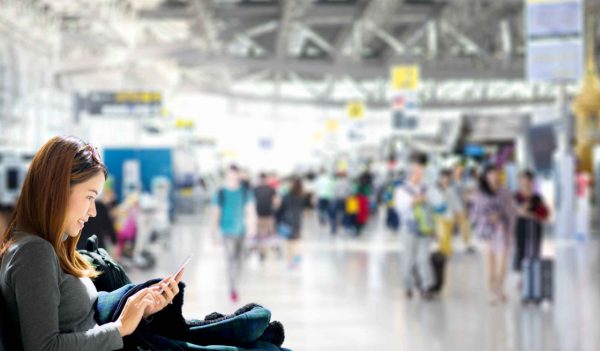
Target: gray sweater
{"points": [[52, 310]]}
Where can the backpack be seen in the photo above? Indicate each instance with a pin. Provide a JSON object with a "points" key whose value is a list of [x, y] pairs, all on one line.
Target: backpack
{"points": [[352, 205], [112, 275], [423, 214], [221, 196], [424, 219]]}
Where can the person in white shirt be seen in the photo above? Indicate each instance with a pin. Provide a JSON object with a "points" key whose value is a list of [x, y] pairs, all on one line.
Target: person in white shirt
{"points": [[416, 241]]}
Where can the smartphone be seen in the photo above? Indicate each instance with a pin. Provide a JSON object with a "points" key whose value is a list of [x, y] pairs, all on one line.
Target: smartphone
{"points": [[180, 269], [185, 262]]}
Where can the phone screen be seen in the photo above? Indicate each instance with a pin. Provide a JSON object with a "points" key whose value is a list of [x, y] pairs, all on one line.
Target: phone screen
{"points": [[185, 262]]}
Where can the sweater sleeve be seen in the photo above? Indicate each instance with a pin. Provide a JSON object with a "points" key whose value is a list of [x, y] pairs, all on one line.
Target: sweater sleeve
{"points": [[34, 275]]}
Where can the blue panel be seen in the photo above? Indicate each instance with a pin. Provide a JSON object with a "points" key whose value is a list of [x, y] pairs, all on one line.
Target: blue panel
{"points": [[474, 150], [153, 162], [555, 19], [555, 60]]}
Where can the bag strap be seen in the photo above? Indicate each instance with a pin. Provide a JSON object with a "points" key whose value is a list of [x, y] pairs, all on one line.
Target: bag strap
{"points": [[413, 192], [221, 198]]}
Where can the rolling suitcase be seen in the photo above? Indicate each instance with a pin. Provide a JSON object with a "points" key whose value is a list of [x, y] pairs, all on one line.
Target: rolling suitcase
{"points": [[438, 265], [537, 280], [537, 283]]}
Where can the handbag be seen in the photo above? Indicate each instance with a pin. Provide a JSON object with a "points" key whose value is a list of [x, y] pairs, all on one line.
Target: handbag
{"points": [[284, 230]]}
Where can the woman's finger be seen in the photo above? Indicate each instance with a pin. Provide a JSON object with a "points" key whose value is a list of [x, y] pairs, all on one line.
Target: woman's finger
{"points": [[179, 276], [137, 297], [167, 291], [165, 279], [174, 286], [144, 301], [160, 298]]}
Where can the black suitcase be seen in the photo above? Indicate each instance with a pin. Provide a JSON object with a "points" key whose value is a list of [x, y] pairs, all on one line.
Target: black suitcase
{"points": [[438, 265]]}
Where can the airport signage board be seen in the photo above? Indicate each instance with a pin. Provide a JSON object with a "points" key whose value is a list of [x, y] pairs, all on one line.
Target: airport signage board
{"points": [[332, 125], [555, 60], [265, 143], [554, 18], [555, 40], [405, 81], [124, 102], [406, 77], [182, 123], [355, 109], [405, 110]]}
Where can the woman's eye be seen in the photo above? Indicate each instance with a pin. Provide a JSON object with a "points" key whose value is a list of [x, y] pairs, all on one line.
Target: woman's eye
{"points": [[90, 197]]}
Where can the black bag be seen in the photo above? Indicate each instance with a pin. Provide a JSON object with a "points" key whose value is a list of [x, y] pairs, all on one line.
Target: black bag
{"points": [[112, 275], [438, 265], [8, 335]]}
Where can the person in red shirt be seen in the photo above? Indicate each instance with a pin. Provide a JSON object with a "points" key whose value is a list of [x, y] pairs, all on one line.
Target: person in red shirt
{"points": [[531, 215]]}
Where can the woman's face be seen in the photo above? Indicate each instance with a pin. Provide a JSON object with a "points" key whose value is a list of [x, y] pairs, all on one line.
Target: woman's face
{"points": [[492, 178], [81, 204], [525, 184], [444, 181]]}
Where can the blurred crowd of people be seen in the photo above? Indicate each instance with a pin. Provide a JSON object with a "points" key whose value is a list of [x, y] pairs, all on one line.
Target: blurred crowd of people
{"points": [[426, 212]]}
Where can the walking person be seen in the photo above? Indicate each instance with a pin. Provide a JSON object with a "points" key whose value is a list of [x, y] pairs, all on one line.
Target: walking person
{"points": [[324, 187], [461, 219], [494, 216], [414, 207], [447, 209], [234, 217], [266, 201], [290, 221], [341, 191], [532, 213]]}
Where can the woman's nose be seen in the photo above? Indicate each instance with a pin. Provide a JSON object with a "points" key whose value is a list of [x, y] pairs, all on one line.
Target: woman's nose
{"points": [[92, 210]]}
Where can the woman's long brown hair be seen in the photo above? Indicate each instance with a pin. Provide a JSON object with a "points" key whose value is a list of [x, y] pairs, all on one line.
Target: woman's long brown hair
{"points": [[42, 206]]}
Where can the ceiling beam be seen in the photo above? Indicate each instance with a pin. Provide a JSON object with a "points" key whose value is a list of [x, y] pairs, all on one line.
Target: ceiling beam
{"points": [[443, 68], [379, 104]]}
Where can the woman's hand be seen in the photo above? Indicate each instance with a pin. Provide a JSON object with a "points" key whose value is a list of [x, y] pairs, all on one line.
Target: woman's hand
{"points": [[163, 293], [134, 311], [524, 211], [494, 217], [418, 200]]}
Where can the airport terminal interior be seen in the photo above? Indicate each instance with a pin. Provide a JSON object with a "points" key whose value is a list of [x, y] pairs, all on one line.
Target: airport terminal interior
{"points": [[411, 175]]}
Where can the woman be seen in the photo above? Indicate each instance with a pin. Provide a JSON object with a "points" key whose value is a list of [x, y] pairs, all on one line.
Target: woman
{"points": [[290, 214], [494, 215], [447, 208], [532, 212], [44, 281]]}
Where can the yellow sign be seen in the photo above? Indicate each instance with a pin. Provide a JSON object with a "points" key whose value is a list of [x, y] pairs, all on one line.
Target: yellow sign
{"points": [[137, 97], [184, 123], [332, 125], [318, 136], [406, 77], [229, 153], [356, 109]]}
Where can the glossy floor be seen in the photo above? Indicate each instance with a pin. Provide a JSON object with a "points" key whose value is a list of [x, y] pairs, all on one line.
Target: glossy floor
{"points": [[347, 295]]}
